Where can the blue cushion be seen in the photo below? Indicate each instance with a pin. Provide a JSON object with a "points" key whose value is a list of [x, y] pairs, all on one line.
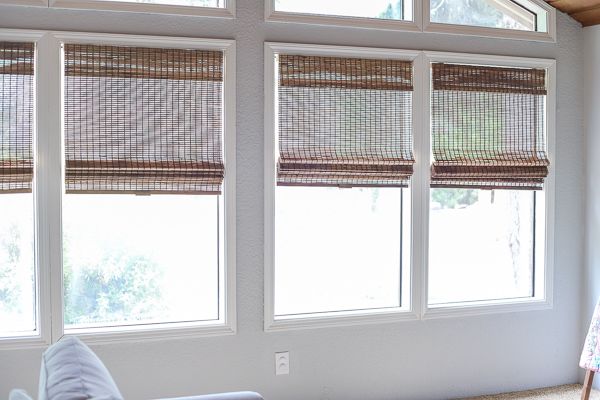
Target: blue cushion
{"points": [[70, 370]]}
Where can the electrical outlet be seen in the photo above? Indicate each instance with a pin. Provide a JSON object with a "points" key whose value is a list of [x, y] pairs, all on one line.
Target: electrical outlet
{"points": [[282, 363]]}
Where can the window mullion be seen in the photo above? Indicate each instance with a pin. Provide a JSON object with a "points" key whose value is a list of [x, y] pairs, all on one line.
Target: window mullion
{"points": [[420, 185], [49, 187]]}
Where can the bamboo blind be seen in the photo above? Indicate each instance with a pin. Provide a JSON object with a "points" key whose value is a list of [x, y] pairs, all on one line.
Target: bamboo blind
{"points": [[143, 120], [16, 111], [488, 127], [344, 121]]}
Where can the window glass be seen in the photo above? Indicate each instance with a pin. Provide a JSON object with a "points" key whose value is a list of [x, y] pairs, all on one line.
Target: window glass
{"points": [[485, 13], [337, 249], [386, 9], [481, 245], [195, 3], [140, 259]]}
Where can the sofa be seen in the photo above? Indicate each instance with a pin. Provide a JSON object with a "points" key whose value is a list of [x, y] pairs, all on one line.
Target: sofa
{"points": [[72, 371]]}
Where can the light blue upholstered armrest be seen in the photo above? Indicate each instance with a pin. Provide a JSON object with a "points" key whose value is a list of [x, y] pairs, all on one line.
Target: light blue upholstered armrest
{"points": [[223, 396]]}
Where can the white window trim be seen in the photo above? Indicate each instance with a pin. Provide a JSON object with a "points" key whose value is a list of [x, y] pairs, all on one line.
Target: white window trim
{"points": [[406, 312], [38, 3], [421, 22], [357, 22], [544, 281], [546, 17], [227, 12], [49, 184], [418, 309]]}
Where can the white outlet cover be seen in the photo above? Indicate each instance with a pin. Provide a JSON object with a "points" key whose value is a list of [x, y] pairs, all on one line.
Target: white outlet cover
{"points": [[282, 363]]}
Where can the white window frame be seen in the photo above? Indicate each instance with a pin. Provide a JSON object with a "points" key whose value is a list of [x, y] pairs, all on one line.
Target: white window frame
{"points": [[358, 22], [418, 309], [546, 18], [544, 270], [37, 3], [49, 183], [227, 12], [421, 22], [407, 311]]}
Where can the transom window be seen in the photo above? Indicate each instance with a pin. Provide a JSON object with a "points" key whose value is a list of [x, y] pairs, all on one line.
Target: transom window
{"points": [[384, 9], [522, 19], [193, 3]]}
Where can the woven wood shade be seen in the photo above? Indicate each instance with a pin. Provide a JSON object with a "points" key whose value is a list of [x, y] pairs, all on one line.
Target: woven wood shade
{"points": [[16, 111], [143, 120], [488, 127], [344, 122]]}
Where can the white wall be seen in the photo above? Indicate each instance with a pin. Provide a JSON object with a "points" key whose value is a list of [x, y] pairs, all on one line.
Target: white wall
{"points": [[591, 95], [434, 359]]}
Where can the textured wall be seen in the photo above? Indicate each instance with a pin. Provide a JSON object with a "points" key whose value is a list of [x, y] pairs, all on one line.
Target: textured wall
{"points": [[434, 359], [591, 275]]}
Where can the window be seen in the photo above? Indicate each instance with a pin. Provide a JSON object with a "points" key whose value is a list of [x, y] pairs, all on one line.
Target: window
{"points": [[147, 202], [342, 198], [142, 121], [384, 9], [17, 268], [349, 237], [492, 14], [487, 218], [206, 8], [518, 19]]}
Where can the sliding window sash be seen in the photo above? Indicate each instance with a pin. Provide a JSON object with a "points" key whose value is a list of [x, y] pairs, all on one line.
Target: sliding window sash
{"points": [[143, 120], [17, 119], [344, 122], [488, 127]]}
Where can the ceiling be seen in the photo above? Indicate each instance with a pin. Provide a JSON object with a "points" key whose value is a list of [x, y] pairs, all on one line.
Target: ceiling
{"points": [[585, 11]]}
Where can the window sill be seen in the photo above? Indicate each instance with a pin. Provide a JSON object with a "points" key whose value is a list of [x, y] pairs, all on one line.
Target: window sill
{"points": [[486, 307], [354, 22], [338, 319], [499, 33], [23, 342], [148, 333], [36, 3]]}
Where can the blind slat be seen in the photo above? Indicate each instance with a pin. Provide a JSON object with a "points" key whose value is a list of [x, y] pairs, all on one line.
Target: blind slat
{"points": [[477, 78], [16, 109], [143, 120], [344, 122], [488, 127], [351, 73], [143, 63]]}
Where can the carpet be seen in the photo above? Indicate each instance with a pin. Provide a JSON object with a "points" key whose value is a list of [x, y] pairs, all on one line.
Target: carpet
{"points": [[564, 392]]}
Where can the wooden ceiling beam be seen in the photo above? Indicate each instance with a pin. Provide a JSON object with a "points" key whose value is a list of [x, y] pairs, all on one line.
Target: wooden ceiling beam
{"points": [[587, 12]]}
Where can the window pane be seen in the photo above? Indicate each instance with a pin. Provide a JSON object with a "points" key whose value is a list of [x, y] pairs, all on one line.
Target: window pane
{"points": [[481, 245], [17, 277], [503, 14], [195, 3], [140, 259], [336, 249], [386, 9]]}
